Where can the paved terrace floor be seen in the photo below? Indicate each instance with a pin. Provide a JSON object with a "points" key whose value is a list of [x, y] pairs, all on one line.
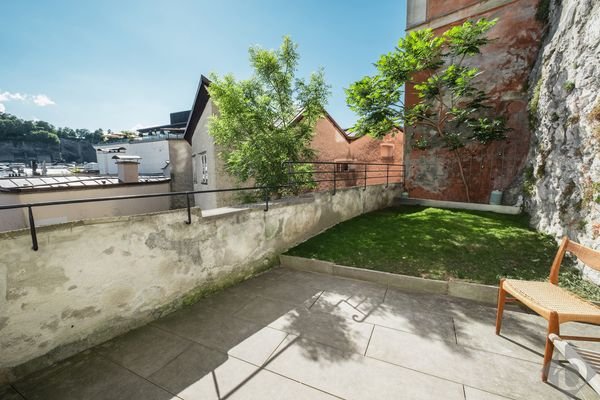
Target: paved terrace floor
{"points": [[295, 335]]}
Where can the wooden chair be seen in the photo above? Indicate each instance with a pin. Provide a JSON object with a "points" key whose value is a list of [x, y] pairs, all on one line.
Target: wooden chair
{"points": [[555, 304]]}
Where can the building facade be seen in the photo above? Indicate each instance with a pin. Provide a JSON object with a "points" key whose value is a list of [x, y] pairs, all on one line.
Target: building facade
{"points": [[505, 64], [330, 142]]}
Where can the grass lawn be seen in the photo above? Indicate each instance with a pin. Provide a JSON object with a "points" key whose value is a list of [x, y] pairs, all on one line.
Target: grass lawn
{"points": [[444, 244]]}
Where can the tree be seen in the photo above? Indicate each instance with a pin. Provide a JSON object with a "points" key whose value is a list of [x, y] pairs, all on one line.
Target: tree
{"points": [[451, 111], [258, 125]]}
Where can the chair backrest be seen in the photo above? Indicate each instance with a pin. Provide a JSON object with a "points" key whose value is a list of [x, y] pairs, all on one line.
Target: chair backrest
{"points": [[589, 257]]}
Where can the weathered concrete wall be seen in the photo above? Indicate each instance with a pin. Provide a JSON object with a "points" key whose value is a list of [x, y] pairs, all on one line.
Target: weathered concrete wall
{"points": [[94, 280], [505, 64], [19, 219], [181, 170], [563, 175]]}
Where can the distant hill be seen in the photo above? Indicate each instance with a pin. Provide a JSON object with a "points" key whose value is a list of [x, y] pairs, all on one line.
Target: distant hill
{"points": [[24, 141]]}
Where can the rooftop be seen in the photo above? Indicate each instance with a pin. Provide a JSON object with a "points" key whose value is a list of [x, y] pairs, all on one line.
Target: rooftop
{"points": [[300, 335], [27, 184]]}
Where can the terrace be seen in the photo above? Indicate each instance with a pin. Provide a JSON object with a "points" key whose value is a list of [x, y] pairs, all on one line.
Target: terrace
{"points": [[298, 335]]}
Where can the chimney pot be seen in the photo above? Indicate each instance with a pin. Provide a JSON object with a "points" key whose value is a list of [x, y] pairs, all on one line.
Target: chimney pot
{"points": [[127, 167]]}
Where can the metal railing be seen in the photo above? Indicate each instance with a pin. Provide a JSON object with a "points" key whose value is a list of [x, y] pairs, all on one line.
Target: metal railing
{"points": [[293, 182], [344, 171]]}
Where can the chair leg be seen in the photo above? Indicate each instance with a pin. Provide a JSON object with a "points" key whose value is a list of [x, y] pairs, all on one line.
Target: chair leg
{"points": [[553, 327], [501, 301]]}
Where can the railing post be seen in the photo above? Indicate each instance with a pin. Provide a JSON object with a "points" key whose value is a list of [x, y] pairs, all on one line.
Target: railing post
{"points": [[266, 200], [365, 188], [334, 178], [387, 175], [189, 211], [32, 230]]}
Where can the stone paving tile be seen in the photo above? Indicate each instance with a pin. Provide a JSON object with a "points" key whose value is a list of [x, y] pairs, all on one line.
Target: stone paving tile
{"points": [[196, 376], [352, 376], [264, 311], [490, 372], [331, 328], [89, 377], [213, 330], [313, 330], [522, 335], [8, 393], [435, 326], [144, 350], [257, 348], [476, 394], [224, 302], [188, 368]]}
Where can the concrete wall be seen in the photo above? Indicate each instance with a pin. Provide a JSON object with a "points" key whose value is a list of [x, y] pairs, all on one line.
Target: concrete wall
{"points": [[94, 280], [505, 64], [18, 218], [180, 170]]}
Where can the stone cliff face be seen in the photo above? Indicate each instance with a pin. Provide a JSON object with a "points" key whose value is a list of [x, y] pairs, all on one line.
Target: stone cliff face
{"points": [[68, 150], [562, 179]]}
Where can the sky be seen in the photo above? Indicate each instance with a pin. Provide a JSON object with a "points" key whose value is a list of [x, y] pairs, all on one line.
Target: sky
{"points": [[125, 64]]}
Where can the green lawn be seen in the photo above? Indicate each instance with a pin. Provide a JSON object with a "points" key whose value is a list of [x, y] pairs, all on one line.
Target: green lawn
{"points": [[444, 244]]}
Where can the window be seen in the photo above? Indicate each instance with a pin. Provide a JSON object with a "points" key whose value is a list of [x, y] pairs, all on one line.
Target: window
{"points": [[342, 167], [203, 169]]}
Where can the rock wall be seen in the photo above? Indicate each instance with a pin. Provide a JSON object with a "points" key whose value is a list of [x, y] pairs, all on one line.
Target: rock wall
{"points": [[562, 179], [68, 150]]}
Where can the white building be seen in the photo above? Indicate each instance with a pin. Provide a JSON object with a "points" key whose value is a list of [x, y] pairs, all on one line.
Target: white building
{"points": [[154, 155]]}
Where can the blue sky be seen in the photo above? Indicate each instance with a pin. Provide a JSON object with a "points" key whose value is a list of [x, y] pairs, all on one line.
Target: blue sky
{"points": [[121, 64]]}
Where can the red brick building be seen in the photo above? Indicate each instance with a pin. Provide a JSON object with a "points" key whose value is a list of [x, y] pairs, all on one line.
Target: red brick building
{"points": [[505, 64]]}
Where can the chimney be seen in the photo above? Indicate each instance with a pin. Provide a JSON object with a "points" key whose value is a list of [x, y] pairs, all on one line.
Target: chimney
{"points": [[127, 167]]}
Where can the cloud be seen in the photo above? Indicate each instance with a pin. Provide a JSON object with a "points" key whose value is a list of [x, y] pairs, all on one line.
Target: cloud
{"points": [[8, 96], [40, 100]]}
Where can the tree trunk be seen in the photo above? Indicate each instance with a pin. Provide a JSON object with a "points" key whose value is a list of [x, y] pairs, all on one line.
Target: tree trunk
{"points": [[462, 174]]}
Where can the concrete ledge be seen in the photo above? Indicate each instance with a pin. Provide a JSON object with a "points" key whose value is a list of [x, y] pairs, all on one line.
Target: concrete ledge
{"points": [[465, 290], [473, 291], [513, 210], [404, 282], [306, 264]]}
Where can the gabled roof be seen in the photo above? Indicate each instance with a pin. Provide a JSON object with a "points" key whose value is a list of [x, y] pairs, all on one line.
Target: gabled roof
{"points": [[200, 102], [337, 126]]}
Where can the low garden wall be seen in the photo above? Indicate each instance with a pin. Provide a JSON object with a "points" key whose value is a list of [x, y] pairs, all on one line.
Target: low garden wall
{"points": [[93, 280]]}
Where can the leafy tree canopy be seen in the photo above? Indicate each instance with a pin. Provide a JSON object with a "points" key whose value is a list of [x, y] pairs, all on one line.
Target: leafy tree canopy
{"points": [[267, 119], [16, 129], [451, 110]]}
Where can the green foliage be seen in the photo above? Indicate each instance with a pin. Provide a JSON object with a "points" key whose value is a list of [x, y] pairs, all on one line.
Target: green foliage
{"points": [[450, 105], [528, 181], [569, 86], [422, 143], [267, 119], [542, 13], [534, 104], [571, 278], [433, 243], [15, 129]]}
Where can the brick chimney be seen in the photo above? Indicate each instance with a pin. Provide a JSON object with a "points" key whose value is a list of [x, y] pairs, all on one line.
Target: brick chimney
{"points": [[127, 167]]}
